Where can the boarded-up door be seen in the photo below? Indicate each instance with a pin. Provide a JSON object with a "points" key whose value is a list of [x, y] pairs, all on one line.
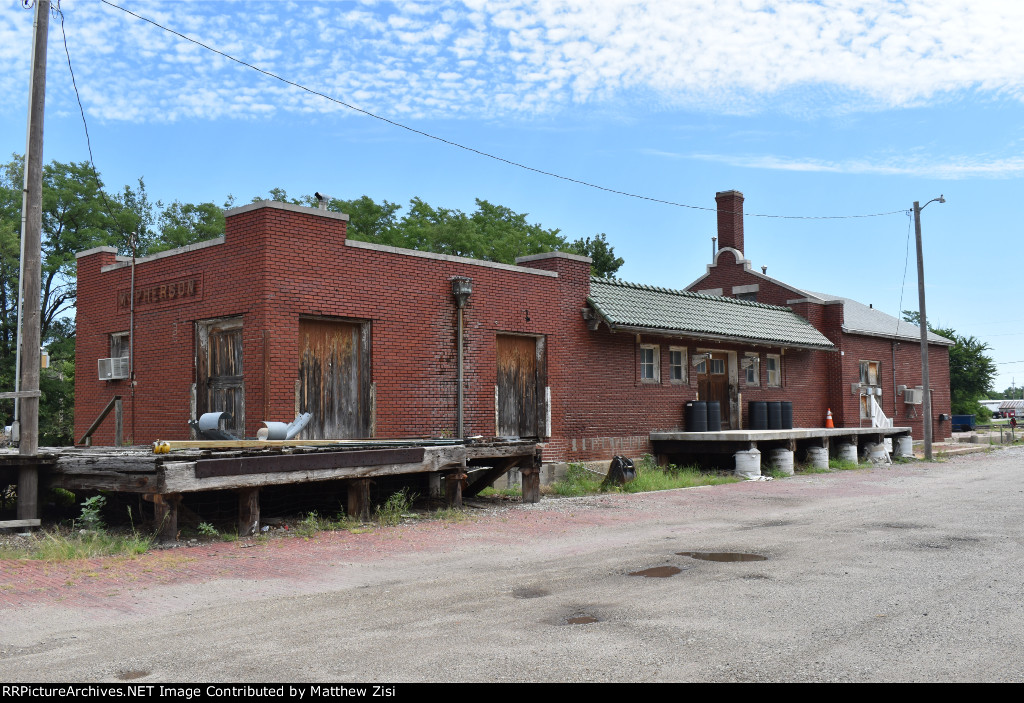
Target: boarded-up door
{"points": [[220, 381], [519, 386], [713, 383], [334, 379]]}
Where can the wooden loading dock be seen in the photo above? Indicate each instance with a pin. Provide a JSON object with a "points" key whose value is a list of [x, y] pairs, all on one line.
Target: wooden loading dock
{"points": [[677, 446], [464, 468]]}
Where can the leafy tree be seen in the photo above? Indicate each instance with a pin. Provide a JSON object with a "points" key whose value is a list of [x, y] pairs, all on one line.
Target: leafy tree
{"points": [[77, 215], [971, 370], [604, 262], [181, 224]]}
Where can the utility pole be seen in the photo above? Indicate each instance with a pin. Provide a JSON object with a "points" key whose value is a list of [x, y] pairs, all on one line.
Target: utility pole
{"points": [[28, 445], [925, 380]]}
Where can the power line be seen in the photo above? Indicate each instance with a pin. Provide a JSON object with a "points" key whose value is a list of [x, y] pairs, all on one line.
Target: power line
{"points": [[473, 150]]}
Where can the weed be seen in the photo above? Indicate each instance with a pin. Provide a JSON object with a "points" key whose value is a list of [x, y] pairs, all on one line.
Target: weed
{"points": [[207, 530], [651, 477], [842, 464], [91, 517], [451, 515], [775, 473], [395, 507]]}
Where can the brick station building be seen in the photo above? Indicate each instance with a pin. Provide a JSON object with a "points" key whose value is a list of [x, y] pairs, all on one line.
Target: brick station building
{"points": [[879, 356], [284, 314]]}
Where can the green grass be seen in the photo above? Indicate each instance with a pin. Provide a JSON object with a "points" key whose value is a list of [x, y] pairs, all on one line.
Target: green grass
{"points": [[580, 481], [68, 545], [842, 465], [451, 515], [809, 469]]}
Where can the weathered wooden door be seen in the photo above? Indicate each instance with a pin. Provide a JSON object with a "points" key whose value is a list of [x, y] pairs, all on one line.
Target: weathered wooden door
{"points": [[519, 392], [220, 380], [334, 379], [713, 383]]}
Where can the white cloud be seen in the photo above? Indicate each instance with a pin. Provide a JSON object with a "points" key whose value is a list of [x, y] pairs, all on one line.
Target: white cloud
{"points": [[953, 168], [721, 56]]}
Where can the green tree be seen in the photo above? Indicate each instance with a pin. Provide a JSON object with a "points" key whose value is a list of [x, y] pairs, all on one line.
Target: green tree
{"points": [[181, 224], [971, 370], [603, 263], [77, 215]]}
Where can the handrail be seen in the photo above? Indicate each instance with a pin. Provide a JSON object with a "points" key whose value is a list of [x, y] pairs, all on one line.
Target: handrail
{"points": [[116, 400]]}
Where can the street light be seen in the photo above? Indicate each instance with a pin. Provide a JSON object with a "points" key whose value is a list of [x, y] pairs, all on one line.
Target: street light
{"points": [[924, 329]]}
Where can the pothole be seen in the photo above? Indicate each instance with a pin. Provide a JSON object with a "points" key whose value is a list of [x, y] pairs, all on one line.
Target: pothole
{"points": [[581, 620], [657, 572], [723, 556], [530, 592]]}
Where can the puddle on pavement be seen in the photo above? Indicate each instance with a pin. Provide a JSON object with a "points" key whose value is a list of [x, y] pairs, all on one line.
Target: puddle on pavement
{"points": [[533, 592], [131, 675], [581, 620], [723, 556], [657, 572], [899, 525]]}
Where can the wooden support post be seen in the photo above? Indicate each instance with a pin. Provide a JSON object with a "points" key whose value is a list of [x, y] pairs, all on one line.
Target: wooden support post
{"points": [[435, 484], [248, 512], [455, 479], [28, 492], [118, 424], [166, 511], [531, 480], [531, 484], [359, 499]]}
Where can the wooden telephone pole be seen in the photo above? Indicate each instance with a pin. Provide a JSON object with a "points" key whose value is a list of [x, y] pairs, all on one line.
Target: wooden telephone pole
{"points": [[32, 204]]}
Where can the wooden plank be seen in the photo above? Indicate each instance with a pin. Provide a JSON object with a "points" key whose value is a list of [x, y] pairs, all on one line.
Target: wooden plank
{"points": [[180, 476], [20, 394], [21, 523], [177, 445], [237, 466], [483, 479]]}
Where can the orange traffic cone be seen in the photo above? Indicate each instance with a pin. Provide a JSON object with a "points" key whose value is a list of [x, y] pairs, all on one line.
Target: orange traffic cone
{"points": [[828, 419]]}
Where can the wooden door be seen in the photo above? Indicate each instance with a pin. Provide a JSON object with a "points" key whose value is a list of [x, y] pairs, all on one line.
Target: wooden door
{"points": [[334, 380], [713, 383], [518, 385], [220, 379]]}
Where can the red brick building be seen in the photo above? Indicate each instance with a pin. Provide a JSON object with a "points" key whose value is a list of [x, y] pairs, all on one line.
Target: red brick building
{"points": [[285, 315], [879, 356]]}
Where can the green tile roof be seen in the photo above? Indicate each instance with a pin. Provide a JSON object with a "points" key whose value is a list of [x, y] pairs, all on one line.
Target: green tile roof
{"points": [[633, 306]]}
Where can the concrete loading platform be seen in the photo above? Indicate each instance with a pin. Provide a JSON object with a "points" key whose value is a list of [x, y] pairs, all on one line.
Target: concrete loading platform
{"points": [[753, 449]]}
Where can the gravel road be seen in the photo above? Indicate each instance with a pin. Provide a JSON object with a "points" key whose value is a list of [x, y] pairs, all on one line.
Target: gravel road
{"points": [[910, 573]]}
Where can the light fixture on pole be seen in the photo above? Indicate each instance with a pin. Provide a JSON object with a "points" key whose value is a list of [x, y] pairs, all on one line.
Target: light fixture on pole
{"points": [[462, 288], [925, 381]]}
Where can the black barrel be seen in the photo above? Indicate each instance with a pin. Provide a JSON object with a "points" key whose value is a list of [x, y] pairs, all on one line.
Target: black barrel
{"points": [[714, 416], [757, 415], [696, 416], [787, 415], [774, 415]]}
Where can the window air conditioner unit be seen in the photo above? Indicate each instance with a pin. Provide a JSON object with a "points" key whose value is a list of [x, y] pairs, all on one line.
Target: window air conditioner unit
{"points": [[113, 369], [913, 396]]}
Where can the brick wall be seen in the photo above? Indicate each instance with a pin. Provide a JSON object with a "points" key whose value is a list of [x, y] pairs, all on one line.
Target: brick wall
{"points": [[278, 263], [829, 375]]}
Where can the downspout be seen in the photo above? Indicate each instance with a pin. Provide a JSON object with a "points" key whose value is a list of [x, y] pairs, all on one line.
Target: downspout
{"points": [[895, 408], [131, 339]]}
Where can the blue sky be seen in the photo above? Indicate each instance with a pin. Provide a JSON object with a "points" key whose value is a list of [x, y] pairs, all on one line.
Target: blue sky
{"points": [[811, 109]]}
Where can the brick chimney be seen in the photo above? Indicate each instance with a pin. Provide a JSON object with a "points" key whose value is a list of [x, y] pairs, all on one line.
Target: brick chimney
{"points": [[730, 219]]}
